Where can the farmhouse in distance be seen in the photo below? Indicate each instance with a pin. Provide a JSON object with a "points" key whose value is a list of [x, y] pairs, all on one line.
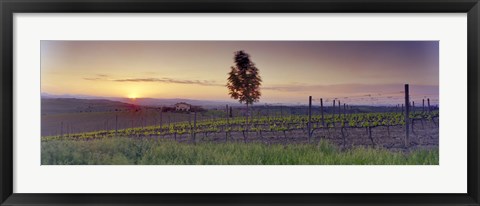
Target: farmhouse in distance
{"points": [[182, 106]]}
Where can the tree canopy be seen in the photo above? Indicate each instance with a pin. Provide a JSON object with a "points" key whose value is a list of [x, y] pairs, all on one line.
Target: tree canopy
{"points": [[244, 79]]}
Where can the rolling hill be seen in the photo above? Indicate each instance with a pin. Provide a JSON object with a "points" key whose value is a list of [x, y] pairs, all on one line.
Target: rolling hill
{"points": [[74, 105]]}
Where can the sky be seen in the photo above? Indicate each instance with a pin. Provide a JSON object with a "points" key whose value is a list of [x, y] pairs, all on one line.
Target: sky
{"points": [[359, 72]]}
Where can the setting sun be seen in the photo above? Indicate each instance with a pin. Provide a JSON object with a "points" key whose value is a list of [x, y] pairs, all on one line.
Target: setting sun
{"points": [[132, 96]]}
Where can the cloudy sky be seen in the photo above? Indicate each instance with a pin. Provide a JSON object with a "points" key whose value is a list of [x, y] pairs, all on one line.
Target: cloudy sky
{"points": [[355, 71]]}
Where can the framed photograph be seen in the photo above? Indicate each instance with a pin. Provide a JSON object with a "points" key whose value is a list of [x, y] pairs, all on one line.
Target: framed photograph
{"points": [[239, 102]]}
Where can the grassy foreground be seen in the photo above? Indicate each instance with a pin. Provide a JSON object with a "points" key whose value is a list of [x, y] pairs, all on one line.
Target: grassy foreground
{"points": [[125, 151]]}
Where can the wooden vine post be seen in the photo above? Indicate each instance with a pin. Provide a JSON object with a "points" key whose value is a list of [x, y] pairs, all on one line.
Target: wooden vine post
{"points": [[116, 125], [321, 111], [407, 113], [333, 108], [309, 118], [333, 114], [342, 125], [194, 126], [339, 109], [228, 121], [281, 111], [428, 104], [227, 113], [423, 105]]}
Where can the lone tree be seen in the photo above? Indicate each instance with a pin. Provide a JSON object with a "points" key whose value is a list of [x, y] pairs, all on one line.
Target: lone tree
{"points": [[244, 80]]}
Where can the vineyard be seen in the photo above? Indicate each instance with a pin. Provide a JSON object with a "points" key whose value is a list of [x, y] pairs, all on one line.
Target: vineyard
{"points": [[292, 128], [361, 138]]}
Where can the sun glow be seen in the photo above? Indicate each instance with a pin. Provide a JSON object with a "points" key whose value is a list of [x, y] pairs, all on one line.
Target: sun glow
{"points": [[132, 96]]}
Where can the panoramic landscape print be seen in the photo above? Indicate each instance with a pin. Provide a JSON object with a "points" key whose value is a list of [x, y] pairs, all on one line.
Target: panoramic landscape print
{"points": [[239, 102]]}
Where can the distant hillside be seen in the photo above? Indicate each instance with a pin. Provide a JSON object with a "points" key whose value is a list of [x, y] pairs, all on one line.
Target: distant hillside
{"points": [[171, 102], [74, 105], [69, 96]]}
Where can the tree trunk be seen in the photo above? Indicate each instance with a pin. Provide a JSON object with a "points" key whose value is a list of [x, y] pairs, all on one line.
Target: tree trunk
{"points": [[247, 115], [246, 125]]}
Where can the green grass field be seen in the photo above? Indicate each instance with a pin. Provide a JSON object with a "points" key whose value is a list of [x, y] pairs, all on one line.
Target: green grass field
{"points": [[126, 151]]}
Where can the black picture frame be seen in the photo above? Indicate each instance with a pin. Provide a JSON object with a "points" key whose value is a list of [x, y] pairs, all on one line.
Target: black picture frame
{"points": [[9, 7]]}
